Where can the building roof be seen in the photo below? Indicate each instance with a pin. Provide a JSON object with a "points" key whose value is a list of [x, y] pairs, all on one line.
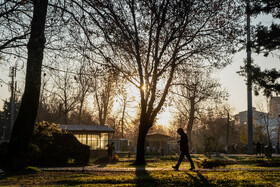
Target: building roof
{"points": [[92, 128], [158, 137], [157, 134]]}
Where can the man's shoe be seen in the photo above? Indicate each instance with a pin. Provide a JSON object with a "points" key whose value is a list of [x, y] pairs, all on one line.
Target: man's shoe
{"points": [[175, 167]]}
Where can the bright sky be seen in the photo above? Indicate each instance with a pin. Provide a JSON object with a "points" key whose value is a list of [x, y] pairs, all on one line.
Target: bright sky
{"points": [[236, 85], [229, 79]]}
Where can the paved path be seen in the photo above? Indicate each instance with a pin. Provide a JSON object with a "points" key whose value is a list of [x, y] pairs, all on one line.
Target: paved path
{"points": [[104, 169]]}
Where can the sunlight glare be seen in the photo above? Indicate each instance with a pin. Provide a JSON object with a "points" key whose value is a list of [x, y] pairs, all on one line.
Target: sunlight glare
{"points": [[144, 88]]}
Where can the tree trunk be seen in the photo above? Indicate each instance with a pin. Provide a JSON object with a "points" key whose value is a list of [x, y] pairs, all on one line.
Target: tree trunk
{"points": [[24, 124], [80, 111], [267, 130], [143, 130], [227, 140], [190, 122], [123, 113]]}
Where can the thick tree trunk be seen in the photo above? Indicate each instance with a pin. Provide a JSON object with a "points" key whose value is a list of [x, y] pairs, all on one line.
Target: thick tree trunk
{"points": [[24, 124], [143, 130]]}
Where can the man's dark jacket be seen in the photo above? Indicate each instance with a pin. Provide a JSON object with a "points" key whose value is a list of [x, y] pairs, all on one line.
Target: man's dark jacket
{"points": [[184, 142]]}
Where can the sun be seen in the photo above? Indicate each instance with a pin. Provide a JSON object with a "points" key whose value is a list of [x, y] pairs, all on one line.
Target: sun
{"points": [[144, 88]]}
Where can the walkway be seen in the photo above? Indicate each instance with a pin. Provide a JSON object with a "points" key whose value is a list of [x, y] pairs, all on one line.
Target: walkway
{"points": [[104, 169]]}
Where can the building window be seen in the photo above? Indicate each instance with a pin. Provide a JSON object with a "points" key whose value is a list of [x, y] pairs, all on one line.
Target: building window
{"points": [[95, 141], [104, 140]]}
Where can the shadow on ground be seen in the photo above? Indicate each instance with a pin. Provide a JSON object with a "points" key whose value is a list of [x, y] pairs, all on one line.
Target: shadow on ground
{"points": [[199, 180], [143, 178], [104, 161]]}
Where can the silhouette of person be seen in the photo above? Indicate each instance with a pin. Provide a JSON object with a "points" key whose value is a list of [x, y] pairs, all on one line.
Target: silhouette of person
{"points": [[110, 150], [258, 148], [184, 148]]}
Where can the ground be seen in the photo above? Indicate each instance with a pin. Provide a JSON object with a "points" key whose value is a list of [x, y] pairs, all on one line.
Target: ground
{"points": [[234, 170]]}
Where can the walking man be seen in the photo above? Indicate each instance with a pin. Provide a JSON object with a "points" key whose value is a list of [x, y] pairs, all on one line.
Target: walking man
{"points": [[184, 148]]}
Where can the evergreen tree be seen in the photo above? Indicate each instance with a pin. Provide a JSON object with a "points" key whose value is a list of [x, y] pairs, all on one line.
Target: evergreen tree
{"points": [[266, 41]]}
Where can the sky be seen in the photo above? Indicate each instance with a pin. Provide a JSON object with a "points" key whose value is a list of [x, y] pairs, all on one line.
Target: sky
{"points": [[236, 85], [229, 79], [233, 83]]}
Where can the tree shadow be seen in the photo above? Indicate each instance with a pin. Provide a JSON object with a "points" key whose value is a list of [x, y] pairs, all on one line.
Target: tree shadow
{"points": [[104, 161], [21, 172], [200, 181], [143, 178]]}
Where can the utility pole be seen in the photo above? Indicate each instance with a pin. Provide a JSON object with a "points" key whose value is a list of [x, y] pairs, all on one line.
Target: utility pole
{"points": [[12, 74], [249, 83]]}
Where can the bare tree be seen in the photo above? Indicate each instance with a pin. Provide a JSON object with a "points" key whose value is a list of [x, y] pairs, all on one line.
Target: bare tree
{"points": [[195, 88], [84, 85], [104, 93], [15, 20], [24, 124], [263, 118], [28, 41], [124, 99], [147, 40], [66, 91]]}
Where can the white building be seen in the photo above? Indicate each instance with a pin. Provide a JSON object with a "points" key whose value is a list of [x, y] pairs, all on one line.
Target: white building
{"points": [[262, 119]]}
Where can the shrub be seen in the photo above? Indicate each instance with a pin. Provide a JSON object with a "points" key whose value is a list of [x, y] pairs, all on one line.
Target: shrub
{"points": [[213, 163], [106, 160], [51, 147], [3, 154], [34, 152], [269, 164], [71, 148]]}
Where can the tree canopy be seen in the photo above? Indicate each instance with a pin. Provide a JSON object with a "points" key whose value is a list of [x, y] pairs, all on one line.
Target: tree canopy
{"points": [[266, 41], [146, 41]]}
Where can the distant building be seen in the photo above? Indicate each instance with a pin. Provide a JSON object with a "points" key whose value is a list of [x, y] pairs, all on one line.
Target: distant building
{"points": [[95, 136], [258, 117], [274, 107], [262, 119], [157, 143], [274, 114], [121, 145]]}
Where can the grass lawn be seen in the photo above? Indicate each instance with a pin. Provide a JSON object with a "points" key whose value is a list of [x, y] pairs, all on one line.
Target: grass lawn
{"points": [[259, 173]]}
